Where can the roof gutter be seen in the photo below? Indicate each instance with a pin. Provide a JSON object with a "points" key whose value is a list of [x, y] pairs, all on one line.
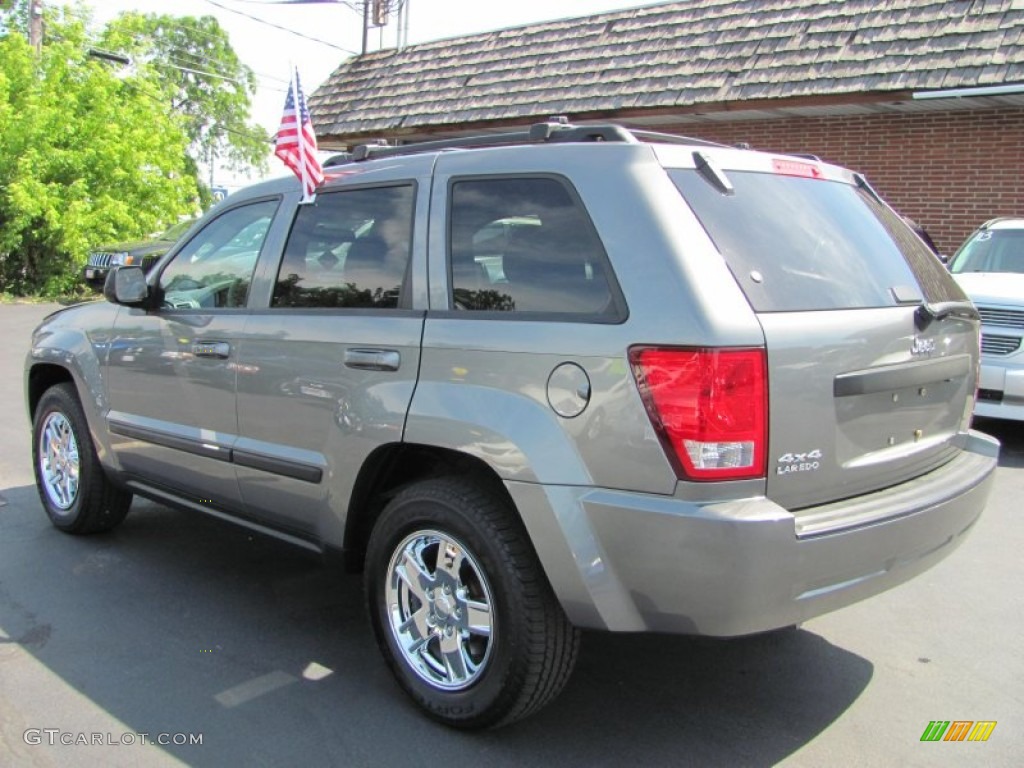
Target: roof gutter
{"points": [[956, 93]]}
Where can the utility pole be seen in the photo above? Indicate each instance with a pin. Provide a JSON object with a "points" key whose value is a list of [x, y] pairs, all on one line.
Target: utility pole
{"points": [[366, 23], [401, 14], [35, 25]]}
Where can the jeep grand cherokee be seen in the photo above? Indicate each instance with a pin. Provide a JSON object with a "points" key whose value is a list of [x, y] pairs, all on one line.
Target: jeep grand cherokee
{"points": [[573, 378]]}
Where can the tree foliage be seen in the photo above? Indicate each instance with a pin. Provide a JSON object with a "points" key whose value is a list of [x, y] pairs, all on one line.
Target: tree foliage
{"points": [[201, 77], [84, 158], [91, 152]]}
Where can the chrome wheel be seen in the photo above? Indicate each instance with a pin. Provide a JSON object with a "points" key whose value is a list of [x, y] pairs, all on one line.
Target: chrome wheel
{"points": [[439, 609], [59, 461], [73, 487], [460, 605]]}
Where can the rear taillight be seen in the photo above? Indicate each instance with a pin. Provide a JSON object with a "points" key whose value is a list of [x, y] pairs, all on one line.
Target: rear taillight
{"points": [[709, 407]]}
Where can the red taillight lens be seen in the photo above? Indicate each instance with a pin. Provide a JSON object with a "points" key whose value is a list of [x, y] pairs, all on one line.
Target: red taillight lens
{"points": [[709, 406]]}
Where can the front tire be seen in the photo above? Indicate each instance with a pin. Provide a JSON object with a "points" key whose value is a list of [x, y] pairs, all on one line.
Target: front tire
{"points": [[461, 608], [76, 493]]}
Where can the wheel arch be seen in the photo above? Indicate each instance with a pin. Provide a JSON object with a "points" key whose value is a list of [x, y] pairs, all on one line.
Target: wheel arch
{"points": [[395, 466], [40, 378]]}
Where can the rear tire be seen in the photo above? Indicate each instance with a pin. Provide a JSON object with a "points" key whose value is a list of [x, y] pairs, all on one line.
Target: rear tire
{"points": [[76, 493], [461, 608]]}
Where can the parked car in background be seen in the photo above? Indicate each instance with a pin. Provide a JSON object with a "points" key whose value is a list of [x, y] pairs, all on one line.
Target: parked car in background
{"points": [[990, 268], [576, 377], [141, 253]]}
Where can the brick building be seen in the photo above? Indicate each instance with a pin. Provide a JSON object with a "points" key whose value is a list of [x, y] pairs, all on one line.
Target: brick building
{"points": [[926, 98]]}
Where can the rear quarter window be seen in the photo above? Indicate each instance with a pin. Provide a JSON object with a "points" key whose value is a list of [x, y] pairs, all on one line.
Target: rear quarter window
{"points": [[802, 244], [525, 246]]}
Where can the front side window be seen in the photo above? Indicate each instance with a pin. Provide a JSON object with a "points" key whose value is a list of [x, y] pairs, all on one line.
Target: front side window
{"points": [[525, 245], [350, 249], [214, 270]]}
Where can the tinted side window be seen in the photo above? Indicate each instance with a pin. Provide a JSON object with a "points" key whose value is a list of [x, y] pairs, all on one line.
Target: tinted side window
{"points": [[796, 243], [349, 249], [525, 245], [215, 268]]}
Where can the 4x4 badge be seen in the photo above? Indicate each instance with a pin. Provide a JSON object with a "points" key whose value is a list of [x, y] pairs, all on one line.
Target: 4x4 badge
{"points": [[799, 462]]}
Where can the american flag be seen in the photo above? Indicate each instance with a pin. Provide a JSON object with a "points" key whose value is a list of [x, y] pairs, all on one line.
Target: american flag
{"points": [[296, 143]]}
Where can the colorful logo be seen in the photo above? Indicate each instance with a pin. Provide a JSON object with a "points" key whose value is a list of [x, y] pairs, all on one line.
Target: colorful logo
{"points": [[958, 730]]}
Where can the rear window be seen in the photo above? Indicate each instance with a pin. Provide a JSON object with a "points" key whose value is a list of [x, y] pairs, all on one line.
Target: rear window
{"points": [[800, 244]]}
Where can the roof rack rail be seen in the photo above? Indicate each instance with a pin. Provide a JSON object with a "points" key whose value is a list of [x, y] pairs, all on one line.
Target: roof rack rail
{"points": [[556, 130], [549, 132], [672, 138]]}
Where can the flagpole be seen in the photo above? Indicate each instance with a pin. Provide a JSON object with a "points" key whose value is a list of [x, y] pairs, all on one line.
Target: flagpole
{"points": [[300, 139], [295, 146]]}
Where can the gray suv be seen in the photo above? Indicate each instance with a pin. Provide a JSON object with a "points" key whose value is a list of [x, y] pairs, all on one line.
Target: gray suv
{"points": [[578, 377]]}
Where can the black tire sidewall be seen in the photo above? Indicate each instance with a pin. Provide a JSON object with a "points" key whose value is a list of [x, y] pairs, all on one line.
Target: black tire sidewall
{"points": [[486, 700]]}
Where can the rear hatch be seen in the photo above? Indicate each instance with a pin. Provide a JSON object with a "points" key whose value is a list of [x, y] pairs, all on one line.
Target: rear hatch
{"points": [[871, 347]]}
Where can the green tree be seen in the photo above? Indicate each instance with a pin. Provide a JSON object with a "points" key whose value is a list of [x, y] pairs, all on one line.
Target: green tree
{"points": [[84, 158], [202, 79]]}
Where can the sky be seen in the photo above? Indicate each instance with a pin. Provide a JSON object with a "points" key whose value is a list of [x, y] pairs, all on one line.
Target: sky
{"points": [[270, 52]]}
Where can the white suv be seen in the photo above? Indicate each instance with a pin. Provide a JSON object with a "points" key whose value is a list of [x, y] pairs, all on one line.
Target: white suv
{"points": [[990, 268]]}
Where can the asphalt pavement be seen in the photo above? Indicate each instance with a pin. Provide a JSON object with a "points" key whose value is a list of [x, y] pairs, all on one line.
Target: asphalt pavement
{"points": [[128, 648]]}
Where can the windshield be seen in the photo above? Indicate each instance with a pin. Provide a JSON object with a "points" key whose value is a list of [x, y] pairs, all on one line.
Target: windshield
{"points": [[176, 231], [993, 250], [798, 244]]}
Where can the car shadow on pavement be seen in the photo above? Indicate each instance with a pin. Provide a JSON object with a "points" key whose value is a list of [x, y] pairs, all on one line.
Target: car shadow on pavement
{"points": [[176, 623], [1009, 433]]}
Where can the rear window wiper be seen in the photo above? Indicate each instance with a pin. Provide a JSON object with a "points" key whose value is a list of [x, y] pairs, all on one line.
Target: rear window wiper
{"points": [[927, 313]]}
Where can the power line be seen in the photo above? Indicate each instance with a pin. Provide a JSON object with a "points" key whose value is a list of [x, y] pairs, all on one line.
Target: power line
{"points": [[200, 60], [191, 71], [211, 66], [195, 60], [356, 6], [185, 65], [279, 27], [138, 37], [137, 85]]}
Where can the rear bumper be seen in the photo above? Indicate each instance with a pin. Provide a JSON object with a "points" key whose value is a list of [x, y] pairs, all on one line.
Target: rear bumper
{"points": [[631, 562]]}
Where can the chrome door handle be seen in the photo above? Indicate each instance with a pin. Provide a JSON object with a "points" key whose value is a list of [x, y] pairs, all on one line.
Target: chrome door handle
{"points": [[220, 350], [373, 359]]}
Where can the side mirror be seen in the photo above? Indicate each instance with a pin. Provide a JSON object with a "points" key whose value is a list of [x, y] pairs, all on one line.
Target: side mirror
{"points": [[127, 286]]}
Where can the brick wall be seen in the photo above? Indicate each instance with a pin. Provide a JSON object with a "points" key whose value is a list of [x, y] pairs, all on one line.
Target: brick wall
{"points": [[950, 171]]}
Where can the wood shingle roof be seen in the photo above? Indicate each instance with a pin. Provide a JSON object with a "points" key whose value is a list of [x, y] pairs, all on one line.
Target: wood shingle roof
{"points": [[690, 54]]}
